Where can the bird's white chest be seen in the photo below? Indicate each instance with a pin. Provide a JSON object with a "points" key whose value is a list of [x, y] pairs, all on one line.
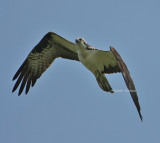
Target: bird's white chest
{"points": [[89, 60]]}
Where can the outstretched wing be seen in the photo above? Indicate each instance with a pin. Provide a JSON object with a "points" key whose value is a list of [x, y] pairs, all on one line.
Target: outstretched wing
{"points": [[128, 80], [40, 58]]}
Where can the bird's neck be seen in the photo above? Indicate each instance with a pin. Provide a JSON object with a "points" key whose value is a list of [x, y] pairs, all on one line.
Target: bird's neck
{"points": [[81, 51]]}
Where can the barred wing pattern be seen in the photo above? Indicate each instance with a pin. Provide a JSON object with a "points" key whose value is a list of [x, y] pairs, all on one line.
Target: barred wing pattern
{"points": [[41, 57]]}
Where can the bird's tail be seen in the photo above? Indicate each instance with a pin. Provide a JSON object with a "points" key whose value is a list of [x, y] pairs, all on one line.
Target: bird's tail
{"points": [[103, 83]]}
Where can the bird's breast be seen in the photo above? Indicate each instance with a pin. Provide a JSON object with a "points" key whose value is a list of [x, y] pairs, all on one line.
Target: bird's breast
{"points": [[90, 61]]}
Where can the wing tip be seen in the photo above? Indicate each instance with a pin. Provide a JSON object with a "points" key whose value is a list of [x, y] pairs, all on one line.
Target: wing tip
{"points": [[13, 78], [140, 115], [13, 90], [16, 75]]}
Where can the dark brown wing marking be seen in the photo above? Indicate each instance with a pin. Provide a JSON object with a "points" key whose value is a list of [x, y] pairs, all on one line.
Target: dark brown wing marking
{"points": [[128, 80], [111, 65], [40, 58], [111, 69]]}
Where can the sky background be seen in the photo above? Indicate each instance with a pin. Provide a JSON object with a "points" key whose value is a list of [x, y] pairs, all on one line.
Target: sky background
{"points": [[66, 104]]}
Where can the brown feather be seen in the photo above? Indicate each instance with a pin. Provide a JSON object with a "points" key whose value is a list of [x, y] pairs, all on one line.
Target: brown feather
{"points": [[128, 80]]}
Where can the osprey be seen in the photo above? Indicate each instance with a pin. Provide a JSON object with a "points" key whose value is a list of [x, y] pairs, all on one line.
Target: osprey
{"points": [[99, 62]]}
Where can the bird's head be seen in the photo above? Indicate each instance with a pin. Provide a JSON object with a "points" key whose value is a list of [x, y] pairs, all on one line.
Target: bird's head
{"points": [[81, 42]]}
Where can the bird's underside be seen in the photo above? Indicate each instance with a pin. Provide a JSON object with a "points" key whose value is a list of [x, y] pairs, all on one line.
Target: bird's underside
{"points": [[53, 46]]}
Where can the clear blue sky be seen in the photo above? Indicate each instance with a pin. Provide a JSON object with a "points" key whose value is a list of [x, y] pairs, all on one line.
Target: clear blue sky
{"points": [[66, 104]]}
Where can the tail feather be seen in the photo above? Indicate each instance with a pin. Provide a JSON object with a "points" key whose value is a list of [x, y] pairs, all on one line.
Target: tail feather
{"points": [[103, 83]]}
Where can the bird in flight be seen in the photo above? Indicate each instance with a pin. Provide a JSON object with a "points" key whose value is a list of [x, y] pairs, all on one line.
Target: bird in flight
{"points": [[99, 62]]}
